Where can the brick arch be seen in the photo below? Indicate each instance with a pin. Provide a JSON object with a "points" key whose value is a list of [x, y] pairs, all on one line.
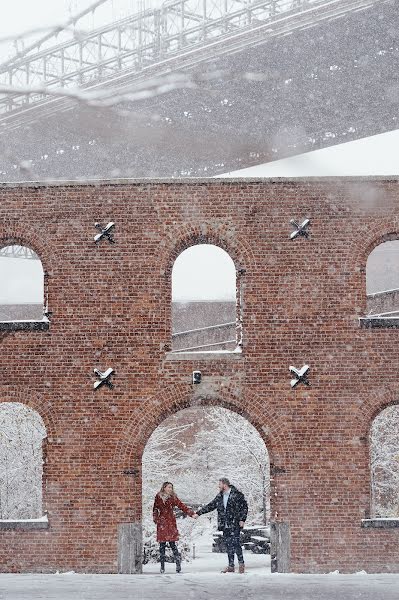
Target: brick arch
{"points": [[176, 241], [372, 406], [239, 251], [49, 420], [363, 243], [275, 435], [44, 410], [30, 238]]}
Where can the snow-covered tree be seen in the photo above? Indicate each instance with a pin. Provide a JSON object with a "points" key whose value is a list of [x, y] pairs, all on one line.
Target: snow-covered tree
{"points": [[193, 449], [232, 447], [21, 461], [385, 462]]}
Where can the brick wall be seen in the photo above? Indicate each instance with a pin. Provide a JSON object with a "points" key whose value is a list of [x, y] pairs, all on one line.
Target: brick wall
{"points": [[111, 307]]}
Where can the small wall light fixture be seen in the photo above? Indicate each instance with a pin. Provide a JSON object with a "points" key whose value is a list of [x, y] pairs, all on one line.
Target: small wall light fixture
{"points": [[197, 376]]}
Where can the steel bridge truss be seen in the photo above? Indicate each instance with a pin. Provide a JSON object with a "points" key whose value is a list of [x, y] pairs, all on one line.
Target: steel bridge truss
{"points": [[132, 44], [15, 251]]}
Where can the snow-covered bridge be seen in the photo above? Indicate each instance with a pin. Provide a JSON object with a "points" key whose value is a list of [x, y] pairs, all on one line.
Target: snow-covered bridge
{"points": [[237, 82]]}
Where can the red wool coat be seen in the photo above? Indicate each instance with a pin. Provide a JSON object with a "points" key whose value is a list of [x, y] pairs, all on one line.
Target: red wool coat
{"points": [[164, 517]]}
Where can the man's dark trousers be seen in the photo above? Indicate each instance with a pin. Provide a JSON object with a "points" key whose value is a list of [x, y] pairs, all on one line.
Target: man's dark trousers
{"points": [[233, 545]]}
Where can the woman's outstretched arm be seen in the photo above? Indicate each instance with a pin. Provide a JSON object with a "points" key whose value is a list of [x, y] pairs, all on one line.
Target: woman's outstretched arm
{"points": [[183, 507]]}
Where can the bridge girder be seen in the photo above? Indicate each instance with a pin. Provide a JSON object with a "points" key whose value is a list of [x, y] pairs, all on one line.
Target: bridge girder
{"points": [[15, 251], [139, 43], [323, 83]]}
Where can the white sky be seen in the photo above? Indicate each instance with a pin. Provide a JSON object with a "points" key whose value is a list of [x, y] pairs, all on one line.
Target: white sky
{"points": [[203, 272], [375, 155], [21, 281]]}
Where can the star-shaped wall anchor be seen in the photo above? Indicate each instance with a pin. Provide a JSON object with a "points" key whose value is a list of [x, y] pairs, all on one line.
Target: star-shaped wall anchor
{"points": [[105, 232], [103, 378], [301, 229], [300, 375]]}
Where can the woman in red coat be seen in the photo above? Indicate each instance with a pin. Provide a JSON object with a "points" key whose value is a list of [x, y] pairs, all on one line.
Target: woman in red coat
{"points": [[165, 520]]}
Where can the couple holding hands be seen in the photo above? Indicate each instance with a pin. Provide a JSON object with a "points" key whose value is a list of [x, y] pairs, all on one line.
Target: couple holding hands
{"points": [[232, 510]]}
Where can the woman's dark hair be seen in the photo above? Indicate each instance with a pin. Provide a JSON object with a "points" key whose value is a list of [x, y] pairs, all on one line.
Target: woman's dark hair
{"points": [[165, 483], [225, 481]]}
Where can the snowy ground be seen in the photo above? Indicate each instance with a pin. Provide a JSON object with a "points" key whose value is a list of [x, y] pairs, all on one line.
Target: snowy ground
{"points": [[201, 580]]}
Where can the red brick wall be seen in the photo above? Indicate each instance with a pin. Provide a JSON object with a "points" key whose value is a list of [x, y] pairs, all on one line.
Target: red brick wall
{"points": [[111, 307]]}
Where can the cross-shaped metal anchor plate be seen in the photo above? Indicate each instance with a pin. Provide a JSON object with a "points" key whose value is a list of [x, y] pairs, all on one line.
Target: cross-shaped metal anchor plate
{"points": [[301, 229], [105, 232], [104, 378], [300, 375]]}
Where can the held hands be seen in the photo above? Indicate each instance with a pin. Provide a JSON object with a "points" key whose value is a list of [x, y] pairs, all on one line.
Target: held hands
{"points": [[242, 524], [195, 516]]}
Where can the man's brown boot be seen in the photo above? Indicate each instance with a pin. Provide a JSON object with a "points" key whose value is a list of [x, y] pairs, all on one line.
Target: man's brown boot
{"points": [[241, 568], [229, 570]]}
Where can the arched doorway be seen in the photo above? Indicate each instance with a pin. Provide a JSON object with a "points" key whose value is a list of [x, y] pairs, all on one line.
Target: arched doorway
{"points": [[193, 448]]}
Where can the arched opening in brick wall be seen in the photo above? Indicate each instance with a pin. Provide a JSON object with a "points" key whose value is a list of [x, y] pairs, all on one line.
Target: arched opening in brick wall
{"points": [[22, 289], [382, 280], [193, 448], [384, 463], [22, 432], [205, 301]]}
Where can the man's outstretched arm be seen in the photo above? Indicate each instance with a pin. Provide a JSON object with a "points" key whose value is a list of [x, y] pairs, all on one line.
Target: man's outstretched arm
{"points": [[208, 507]]}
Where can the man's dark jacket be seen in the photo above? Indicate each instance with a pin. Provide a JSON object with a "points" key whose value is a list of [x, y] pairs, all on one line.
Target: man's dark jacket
{"points": [[236, 509]]}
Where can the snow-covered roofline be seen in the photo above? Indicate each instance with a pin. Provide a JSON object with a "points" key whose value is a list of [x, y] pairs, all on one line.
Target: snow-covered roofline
{"points": [[201, 180]]}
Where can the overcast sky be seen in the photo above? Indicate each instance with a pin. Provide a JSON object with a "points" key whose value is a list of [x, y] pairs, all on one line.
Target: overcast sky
{"points": [[374, 155], [21, 281], [203, 272]]}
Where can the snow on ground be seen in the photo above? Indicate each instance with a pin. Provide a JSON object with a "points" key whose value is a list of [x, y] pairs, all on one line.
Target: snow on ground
{"points": [[208, 563], [199, 586], [375, 155], [201, 580]]}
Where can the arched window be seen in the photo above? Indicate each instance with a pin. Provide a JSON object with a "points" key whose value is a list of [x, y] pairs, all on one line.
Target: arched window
{"points": [[382, 280], [22, 292], [204, 301], [384, 449], [21, 462]]}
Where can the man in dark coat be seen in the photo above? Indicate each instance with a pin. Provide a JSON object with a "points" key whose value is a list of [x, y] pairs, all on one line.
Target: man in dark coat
{"points": [[232, 510]]}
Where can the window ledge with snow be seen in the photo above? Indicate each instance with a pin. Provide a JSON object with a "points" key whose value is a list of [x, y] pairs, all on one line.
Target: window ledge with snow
{"points": [[381, 523], [24, 524], [379, 322], [205, 355], [42, 325]]}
